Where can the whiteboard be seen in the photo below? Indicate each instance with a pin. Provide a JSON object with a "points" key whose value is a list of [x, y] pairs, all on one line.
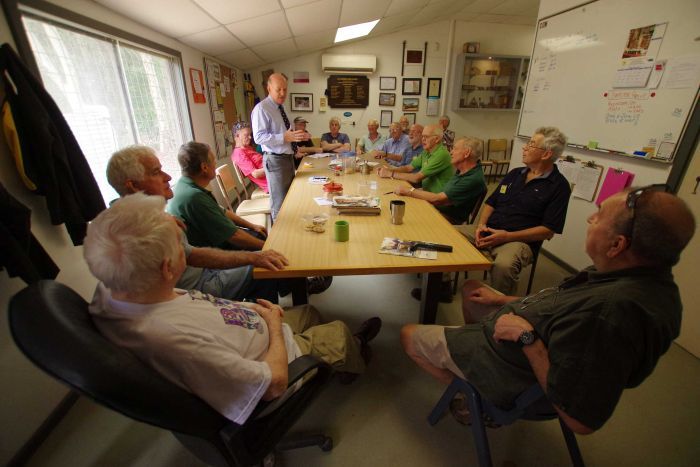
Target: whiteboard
{"points": [[580, 82]]}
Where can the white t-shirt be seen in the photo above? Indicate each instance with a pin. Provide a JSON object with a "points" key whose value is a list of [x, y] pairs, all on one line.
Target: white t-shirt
{"points": [[209, 346]]}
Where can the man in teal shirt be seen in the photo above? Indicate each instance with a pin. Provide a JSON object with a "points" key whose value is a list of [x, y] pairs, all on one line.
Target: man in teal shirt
{"points": [[433, 164], [207, 223]]}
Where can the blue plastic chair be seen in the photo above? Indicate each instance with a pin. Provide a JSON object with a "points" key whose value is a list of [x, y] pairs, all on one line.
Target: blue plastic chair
{"points": [[530, 405]]}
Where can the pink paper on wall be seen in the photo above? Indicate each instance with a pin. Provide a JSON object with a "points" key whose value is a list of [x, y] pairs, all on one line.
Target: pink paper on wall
{"points": [[615, 181]]}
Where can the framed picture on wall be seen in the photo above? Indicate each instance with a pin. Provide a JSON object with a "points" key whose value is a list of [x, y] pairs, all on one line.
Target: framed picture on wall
{"points": [[386, 118], [411, 86], [434, 87], [411, 118], [302, 102], [410, 104], [387, 83], [387, 98]]}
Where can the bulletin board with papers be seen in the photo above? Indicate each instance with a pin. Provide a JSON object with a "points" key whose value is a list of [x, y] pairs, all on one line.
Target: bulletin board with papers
{"points": [[616, 76], [225, 97]]}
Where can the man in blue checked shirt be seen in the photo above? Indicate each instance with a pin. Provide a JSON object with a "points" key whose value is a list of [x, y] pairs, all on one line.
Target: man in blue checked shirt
{"points": [[393, 148]]}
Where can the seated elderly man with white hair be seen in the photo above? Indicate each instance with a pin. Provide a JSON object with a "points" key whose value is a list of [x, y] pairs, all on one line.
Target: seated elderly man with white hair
{"points": [[223, 273], [230, 354]]}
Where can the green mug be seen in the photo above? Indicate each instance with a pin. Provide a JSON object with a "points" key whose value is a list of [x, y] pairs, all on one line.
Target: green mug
{"points": [[341, 231]]}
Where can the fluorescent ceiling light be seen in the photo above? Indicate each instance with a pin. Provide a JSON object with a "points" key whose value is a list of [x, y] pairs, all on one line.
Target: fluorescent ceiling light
{"points": [[356, 30]]}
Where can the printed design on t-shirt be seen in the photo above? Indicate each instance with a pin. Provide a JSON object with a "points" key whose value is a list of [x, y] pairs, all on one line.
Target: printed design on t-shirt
{"points": [[233, 313]]}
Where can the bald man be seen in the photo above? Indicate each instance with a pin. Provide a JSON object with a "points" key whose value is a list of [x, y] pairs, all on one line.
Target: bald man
{"points": [[273, 131], [585, 340]]}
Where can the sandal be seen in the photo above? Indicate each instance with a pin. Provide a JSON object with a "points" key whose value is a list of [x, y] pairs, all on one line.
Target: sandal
{"points": [[460, 412]]}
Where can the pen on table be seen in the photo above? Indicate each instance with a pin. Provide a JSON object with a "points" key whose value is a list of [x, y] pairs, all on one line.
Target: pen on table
{"points": [[388, 192]]}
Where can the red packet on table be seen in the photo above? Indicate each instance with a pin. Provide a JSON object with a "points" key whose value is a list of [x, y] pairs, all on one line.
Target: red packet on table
{"points": [[615, 181]]}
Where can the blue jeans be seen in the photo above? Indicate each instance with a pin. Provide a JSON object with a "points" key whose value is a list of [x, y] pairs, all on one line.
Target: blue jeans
{"points": [[237, 284]]}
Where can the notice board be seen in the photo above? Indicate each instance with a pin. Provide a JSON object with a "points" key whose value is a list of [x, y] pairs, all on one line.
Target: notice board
{"points": [[616, 76], [225, 97]]}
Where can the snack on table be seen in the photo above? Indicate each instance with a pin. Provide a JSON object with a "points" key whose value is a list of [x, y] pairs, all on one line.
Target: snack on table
{"points": [[315, 222]]}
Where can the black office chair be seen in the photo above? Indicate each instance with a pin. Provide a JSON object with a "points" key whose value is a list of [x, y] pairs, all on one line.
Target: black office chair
{"points": [[530, 405], [51, 325]]}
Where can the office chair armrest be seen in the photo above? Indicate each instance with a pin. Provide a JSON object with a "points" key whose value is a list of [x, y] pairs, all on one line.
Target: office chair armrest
{"points": [[300, 366]]}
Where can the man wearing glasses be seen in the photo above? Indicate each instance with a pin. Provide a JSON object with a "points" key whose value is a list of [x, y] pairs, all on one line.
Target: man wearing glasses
{"points": [[587, 339], [528, 207]]}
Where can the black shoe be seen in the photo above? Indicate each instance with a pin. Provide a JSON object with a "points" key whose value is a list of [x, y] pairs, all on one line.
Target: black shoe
{"points": [[318, 284], [445, 293], [368, 330], [345, 377]]}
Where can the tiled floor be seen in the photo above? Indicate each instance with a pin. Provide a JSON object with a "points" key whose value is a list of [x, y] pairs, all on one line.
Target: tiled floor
{"points": [[380, 420]]}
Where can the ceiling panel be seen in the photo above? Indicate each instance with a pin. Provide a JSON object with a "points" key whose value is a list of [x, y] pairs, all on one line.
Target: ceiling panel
{"points": [[393, 23], [362, 11], [214, 42], [245, 58], [261, 30], [175, 18], [483, 6], [314, 17], [401, 6], [229, 11], [316, 40], [276, 50]]}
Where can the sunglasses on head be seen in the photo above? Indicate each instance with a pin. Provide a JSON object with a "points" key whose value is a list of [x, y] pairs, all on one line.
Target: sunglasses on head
{"points": [[633, 200]]}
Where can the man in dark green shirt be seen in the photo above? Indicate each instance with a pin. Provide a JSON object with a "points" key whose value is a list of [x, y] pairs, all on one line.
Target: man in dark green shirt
{"points": [[433, 164], [585, 340], [461, 192], [208, 224]]}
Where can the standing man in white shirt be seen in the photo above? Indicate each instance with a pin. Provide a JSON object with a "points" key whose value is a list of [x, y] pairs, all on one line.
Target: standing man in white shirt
{"points": [[272, 130]]}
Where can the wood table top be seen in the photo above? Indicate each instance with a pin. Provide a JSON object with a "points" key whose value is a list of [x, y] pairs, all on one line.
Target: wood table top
{"points": [[314, 254]]}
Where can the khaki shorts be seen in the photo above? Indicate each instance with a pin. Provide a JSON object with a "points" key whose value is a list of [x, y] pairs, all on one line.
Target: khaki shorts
{"points": [[429, 342]]}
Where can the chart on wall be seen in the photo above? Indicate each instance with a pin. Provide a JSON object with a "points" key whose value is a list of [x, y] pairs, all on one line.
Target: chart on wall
{"points": [[616, 75], [225, 91]]}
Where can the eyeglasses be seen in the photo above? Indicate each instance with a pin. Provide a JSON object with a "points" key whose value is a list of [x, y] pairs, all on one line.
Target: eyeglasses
{"points": [[238, 126], [531, 145], [633, 199], [538, 297]]}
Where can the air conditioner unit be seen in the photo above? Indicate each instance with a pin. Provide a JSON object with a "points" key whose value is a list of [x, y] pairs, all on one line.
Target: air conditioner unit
{"points": [[349, 64]]}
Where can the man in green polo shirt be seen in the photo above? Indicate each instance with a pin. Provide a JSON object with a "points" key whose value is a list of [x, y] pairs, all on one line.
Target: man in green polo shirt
{"points": [[433, 164], [208, 224]]}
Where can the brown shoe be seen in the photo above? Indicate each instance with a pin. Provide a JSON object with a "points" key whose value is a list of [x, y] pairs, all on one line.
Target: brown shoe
{"points": [[460, 411]]}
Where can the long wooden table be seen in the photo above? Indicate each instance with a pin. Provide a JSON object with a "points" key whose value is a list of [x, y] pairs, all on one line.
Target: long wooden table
{"points": [[314, 254]]}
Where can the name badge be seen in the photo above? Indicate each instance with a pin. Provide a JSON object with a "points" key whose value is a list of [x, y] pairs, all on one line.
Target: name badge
{"points": [[503, 189]]}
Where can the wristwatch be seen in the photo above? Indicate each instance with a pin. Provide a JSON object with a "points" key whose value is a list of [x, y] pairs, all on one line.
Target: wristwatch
{"points": [[527, 338]]}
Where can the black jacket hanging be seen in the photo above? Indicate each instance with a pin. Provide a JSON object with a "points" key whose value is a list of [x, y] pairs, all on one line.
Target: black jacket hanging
{"points": [[50, 155]]}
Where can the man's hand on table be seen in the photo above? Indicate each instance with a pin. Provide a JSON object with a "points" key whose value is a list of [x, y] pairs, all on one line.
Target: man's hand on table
{"points": [[403, 190], [384, 172], [259, 229], [269, 259]]}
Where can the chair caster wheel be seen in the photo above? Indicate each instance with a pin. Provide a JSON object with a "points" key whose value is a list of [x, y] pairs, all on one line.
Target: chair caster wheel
{"points": [[327, 444]]}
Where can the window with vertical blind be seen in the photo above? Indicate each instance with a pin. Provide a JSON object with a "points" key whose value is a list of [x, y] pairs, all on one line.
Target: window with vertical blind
{"points": [[112, 93]]}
